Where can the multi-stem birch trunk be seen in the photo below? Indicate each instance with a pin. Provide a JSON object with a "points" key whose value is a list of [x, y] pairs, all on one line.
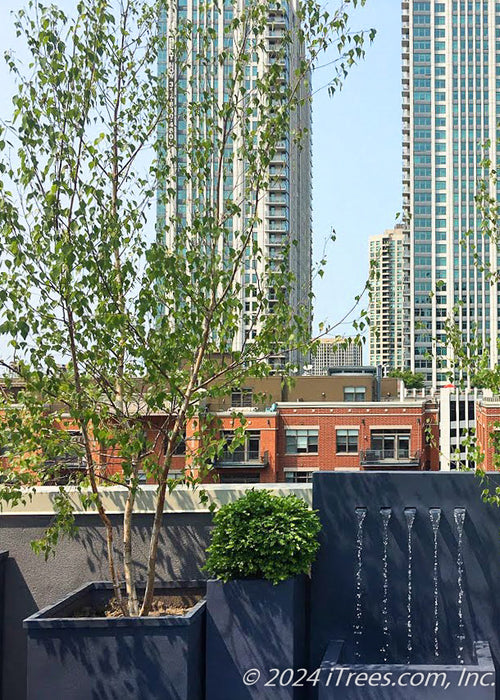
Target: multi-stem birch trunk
{"points": [[109, 327]]}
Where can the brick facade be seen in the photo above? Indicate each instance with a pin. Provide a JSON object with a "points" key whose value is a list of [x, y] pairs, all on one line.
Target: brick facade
{"points": [[417, 419], [414, 423], [363, 418], [487, 423]]}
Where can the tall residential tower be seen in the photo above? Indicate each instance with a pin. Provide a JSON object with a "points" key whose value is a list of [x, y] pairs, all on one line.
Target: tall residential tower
{"points": [[451, 107], [388, 302], [284, 209]]}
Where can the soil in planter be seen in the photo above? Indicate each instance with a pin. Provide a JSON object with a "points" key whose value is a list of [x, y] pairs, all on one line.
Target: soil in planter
{"points": [[178, 603]]}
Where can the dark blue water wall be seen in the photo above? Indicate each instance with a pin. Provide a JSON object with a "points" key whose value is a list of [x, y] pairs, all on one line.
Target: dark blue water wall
{"points": [[408, 567]]}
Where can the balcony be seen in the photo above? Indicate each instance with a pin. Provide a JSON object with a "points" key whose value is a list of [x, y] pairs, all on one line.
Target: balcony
{"points": [[65, 469], [277, 22], [243, 459], [390, 459], [275, 33]]}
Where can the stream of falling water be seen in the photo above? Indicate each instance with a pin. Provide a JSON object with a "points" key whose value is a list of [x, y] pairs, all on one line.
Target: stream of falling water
{"points": [[459, 514], [386, 516], [358, 623], [435, 516], [410, 514]]}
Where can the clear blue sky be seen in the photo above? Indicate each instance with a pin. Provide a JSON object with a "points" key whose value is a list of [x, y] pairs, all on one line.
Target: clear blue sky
{"points": [[356, 152], [357, 161]]}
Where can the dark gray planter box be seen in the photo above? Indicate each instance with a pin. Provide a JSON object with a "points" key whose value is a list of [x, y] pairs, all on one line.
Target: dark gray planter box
{"points": [[344, 681], [115, 658], [253, 624], [3, 563]]}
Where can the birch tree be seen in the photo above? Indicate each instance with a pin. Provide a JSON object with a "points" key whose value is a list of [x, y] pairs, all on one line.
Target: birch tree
{"points": [[111, 323]]}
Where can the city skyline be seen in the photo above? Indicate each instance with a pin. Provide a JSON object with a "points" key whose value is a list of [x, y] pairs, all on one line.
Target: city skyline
{"points": [[351, 128]]}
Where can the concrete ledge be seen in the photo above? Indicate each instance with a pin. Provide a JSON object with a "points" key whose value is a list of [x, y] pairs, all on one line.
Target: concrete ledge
{"points": [[182, 500]]}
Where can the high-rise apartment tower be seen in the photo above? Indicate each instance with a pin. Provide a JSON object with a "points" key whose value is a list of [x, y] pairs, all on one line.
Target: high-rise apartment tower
{"points": [[451, 108], [284, 210], [388, 302]]}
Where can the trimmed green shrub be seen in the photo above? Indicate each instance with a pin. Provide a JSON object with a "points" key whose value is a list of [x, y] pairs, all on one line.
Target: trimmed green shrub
{"points": [[263, 536]]}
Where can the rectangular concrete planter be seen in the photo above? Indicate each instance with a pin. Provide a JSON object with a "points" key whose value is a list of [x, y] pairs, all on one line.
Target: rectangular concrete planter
{"points": [[105, 658], [345, 681], [253, 624]]}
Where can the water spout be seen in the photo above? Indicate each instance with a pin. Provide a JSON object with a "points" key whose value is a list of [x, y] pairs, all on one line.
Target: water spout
{"points": [[386, 516], [410, 514], [435, 516], [459, 514], [358, 623]]}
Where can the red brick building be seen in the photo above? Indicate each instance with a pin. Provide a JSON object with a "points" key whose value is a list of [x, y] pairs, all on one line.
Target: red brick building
{"points": [[346, 421], [379, 435], [487, 430], [257, 459], [296, 439]]}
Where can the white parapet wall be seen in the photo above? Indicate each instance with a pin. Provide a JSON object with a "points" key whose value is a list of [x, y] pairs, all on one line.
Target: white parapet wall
{"points": [[181, 500]]}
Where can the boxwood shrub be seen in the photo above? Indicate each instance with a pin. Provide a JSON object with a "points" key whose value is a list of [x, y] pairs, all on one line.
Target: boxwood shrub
{"points": [[263, 536]]}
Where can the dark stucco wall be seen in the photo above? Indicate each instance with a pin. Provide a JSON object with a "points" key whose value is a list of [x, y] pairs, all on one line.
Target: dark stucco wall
{"points": [[31, 583]]}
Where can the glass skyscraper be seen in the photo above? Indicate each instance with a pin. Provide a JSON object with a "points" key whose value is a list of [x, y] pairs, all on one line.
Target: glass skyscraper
{"points": [[284, 210], [451, 106]]}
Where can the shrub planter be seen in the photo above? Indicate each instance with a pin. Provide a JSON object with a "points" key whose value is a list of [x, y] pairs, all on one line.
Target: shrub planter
{"points": [[115, 657], [253, 624]]}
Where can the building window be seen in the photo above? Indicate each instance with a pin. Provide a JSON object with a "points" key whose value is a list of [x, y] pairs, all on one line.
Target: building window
{"points": [[471, 411], [241, 398], [347, 441], [239, 479], [69, 467], [453, 410], [354, 393], [249, 451], [295, 477], [461, 410], [180, 446], [302, 441], [176, 474], [391, 444]]}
